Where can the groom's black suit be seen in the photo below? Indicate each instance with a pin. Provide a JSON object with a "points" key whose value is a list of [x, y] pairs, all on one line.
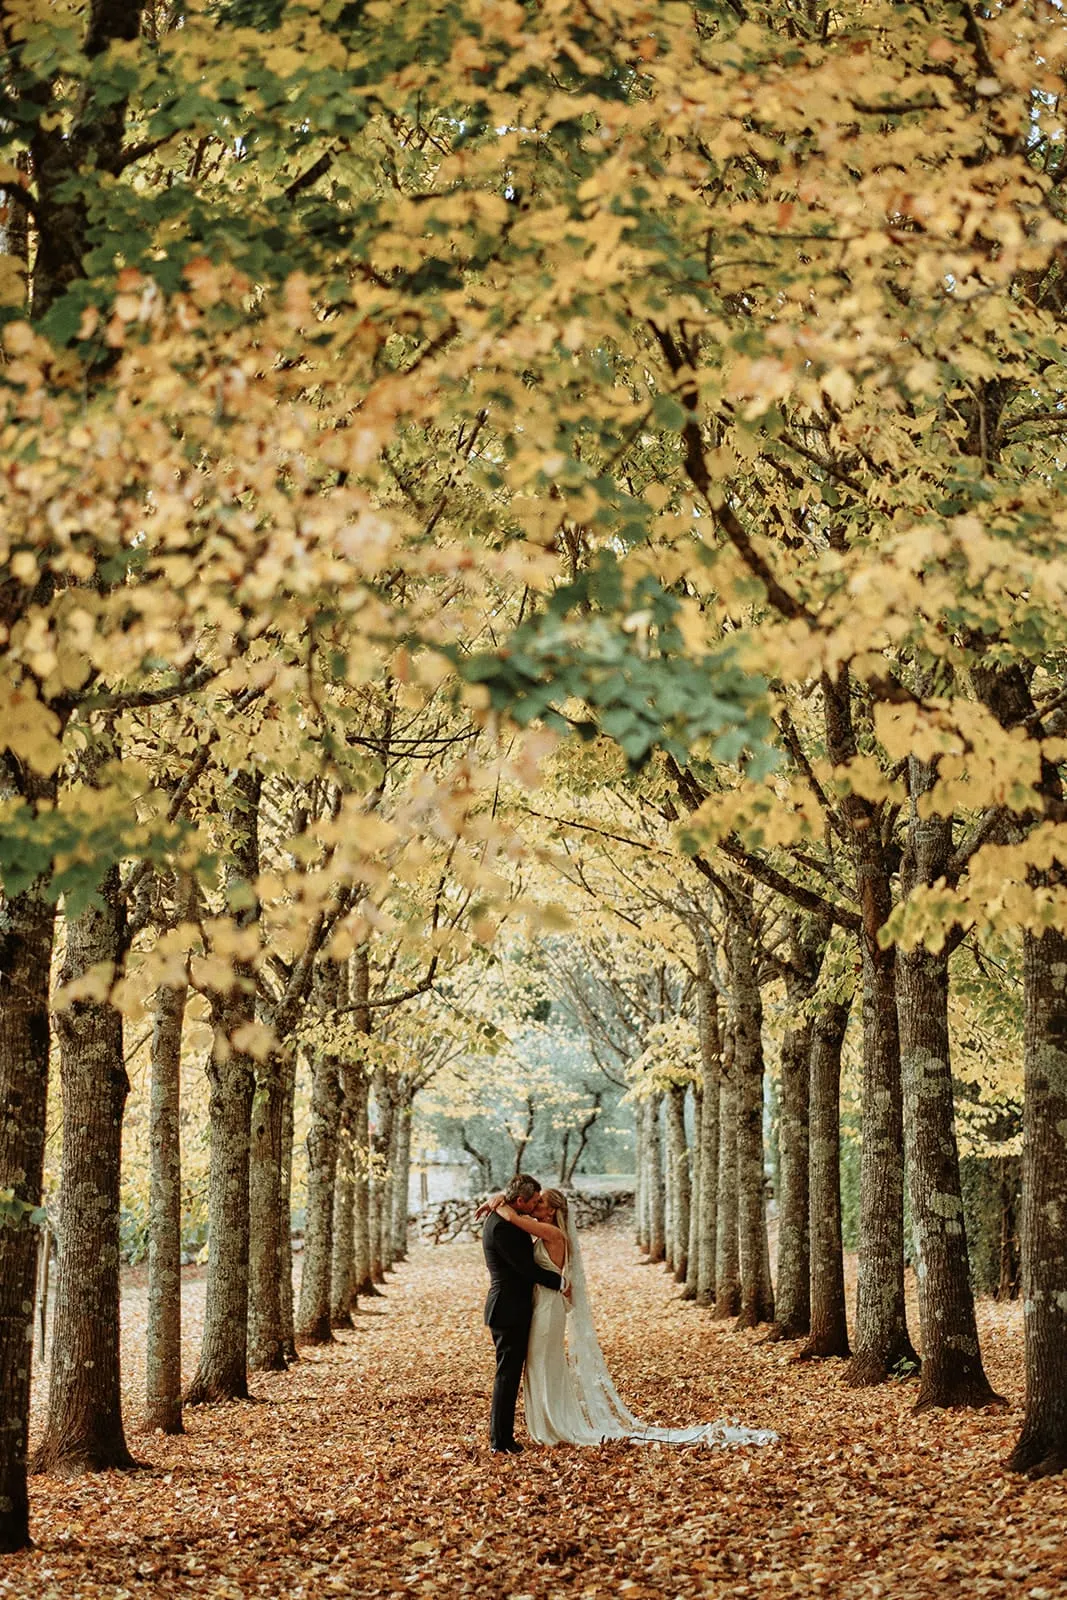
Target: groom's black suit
{"points": [[508, 1311]]}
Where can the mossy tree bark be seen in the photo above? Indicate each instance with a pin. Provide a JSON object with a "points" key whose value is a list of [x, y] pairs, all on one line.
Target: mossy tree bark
{"points": [[389, 1179], [313, 1320], [84, 1431], [347, 1269], [727, 1255], [357, 1088], [342, 1273], [271, 1335], [381, 1135], [222, 1372], [268, 1217], [829, 1322], [692, 1254], [402, 1175], [163, 1356], [803, 962], [1009, 1260], [883, 1346], [642, 1231], [707, 1205], [62, 151], [361, 1155], [1041, 1448], [285, 1206], [952, 1370], [681, 1183], [746, 1023], [655, 1179], [27, 924]]}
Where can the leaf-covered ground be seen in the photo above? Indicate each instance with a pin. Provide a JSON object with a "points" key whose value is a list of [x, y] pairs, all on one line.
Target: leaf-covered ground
{"points": [[365, 1472]]}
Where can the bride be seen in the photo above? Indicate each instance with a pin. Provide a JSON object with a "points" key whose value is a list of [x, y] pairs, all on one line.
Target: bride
{"points": [[569, 1395]]}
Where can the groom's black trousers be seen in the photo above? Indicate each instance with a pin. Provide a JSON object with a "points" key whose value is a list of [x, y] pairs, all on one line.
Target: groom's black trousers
{"points": [[510, 1355]]}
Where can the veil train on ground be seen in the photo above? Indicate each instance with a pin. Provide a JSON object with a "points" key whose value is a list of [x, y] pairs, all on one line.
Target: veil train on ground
{"points": [[603, 1410]]}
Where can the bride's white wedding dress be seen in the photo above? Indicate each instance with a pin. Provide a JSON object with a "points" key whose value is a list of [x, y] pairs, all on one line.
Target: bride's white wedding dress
{"points": [[569, 1395]]}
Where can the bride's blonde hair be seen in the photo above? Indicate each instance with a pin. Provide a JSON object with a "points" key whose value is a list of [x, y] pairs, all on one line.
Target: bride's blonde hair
{"points": [[558, 1201]]}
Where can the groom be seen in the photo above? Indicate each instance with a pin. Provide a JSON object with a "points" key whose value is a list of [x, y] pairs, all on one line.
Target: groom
{"points": [[509, 1306]]}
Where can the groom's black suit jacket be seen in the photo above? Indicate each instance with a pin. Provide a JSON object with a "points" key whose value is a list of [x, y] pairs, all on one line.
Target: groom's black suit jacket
{"points": [[512, 1274]]}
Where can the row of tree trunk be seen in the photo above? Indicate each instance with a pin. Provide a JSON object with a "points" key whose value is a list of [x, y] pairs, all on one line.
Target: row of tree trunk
{"points": [[701, 1205], [356, 1225], [702, 1211], [357, 1168], [356, 1220], [908, 1113]]}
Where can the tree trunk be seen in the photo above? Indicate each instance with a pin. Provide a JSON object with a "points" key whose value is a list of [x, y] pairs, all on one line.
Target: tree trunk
{"points": [[285, 1209], [521, 1140], [361, 1155], [26, 933], [84, 1432], [766, 1288], [44, 1272], [163, 1339], [359, 992], [571, 1156], [1041, 1448], [1008, 1176], [681, 1183], [402, 1177], [642, 1231], [268, 1217], [342, 1280], [222, 1373], [793, 1287], [380, 1141], [982, 1218], [692, 1251], [711, 1072], [952, 1371], [728, 1261], [883, 1346], [389, 1184], [829, 1323], [313, 1315], [882, 1343], [757, 1304], [668, 1196], [657, 1188]]}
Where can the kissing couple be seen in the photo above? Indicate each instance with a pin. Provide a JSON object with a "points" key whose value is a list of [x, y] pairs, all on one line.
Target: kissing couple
{"points": [[539, 1314]]}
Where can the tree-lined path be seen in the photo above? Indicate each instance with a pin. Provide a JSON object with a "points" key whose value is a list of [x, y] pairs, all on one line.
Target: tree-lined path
{"points": [[533, 635], [363, 1471]]}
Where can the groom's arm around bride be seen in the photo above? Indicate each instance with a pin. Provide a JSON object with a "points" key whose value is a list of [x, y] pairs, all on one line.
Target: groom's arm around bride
{"points": [[509, 1305]]}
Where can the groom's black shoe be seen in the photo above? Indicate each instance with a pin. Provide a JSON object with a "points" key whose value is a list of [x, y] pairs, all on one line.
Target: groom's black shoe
{"points": [[512, 1449]]}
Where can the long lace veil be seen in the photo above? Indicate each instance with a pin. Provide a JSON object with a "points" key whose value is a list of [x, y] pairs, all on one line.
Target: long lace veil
{"points": [[599, 1397], [608, 1417]]}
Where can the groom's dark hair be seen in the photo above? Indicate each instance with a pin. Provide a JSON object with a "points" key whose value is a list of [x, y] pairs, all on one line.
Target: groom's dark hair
{"points": [[521, 1187]]}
